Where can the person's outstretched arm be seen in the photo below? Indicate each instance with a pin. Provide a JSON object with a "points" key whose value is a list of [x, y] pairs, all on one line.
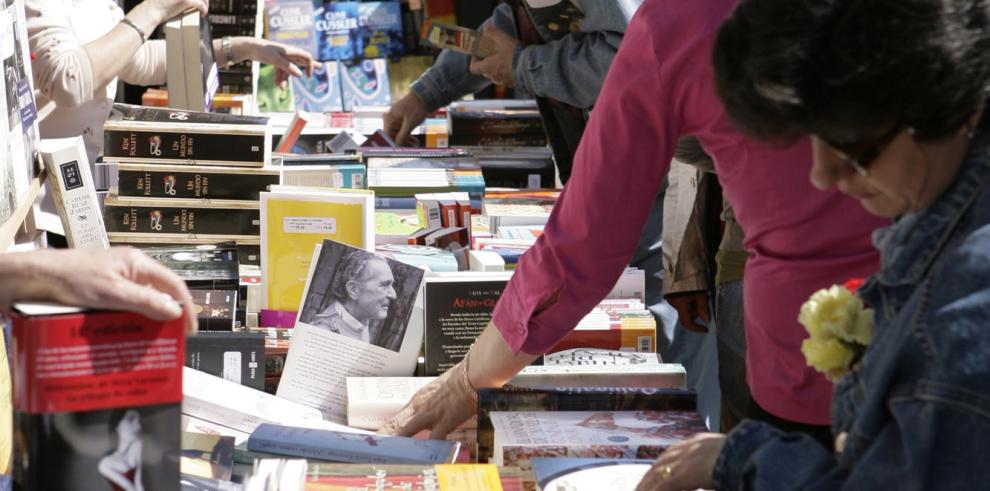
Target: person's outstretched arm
{"points": [[121, 278], [622, 161]]}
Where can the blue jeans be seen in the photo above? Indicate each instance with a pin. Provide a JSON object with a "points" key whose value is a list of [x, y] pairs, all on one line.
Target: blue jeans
{"points": [[731, 326]]}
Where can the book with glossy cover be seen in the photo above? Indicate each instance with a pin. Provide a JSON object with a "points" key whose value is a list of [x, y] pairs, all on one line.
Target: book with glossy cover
{"points": [[337, 35], [215, 310], [380, 26], [573, 399], [643, 434], [186, 217], [193, 182], [456, 309], [398, 477], [319, 92], [238, 357], [206, 266], [588, 474], [291, 22], [364, 83], [337, 446], [149, 134], [96, 398]]}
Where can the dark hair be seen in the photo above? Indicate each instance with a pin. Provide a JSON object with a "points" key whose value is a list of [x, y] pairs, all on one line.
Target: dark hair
{"points": [[351, 267], [848, 68]]}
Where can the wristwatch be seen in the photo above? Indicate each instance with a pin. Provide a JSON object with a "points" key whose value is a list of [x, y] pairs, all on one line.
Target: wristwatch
{"points": [[227, 50]]}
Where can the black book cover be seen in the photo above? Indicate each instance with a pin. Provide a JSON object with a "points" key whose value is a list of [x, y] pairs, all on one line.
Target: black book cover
{"points": [[231, 20], [455, 314], [573, 399], [530, 174], [151, 219], [155, 181], [234, 6], [215, 309], [153, 134], [495, 122], [212, 267], [236, 76], [498, 140], [97, 397], [235, 356], [220, 31]]}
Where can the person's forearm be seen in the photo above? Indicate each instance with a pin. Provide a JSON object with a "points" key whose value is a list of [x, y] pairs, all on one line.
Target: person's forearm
{"points": [[240, 50], [491, 362], [111, 53]]}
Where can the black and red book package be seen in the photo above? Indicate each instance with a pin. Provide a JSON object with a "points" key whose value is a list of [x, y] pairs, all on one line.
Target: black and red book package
{"points": [[97, 400]]}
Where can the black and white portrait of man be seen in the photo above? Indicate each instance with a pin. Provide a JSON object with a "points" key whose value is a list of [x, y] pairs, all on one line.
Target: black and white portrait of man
{"points": [[361, 295]]}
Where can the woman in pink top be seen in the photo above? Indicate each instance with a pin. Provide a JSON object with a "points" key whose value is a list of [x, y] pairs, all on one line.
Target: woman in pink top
{"points": [[660, 87]]}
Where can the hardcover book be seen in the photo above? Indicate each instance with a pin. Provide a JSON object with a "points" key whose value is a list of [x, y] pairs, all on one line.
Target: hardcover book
{"points": [[337, 34], [294, 220], [573, 399], [364, 83], [71, 185], [207, 266], [96, 399], [380, 24], [349, 447], [149, 134], [645, 375], [456, 310], [588, 474], [291, 22], [238, 357], [521, 435], [194, 182], [320, 92], [202, 79], [185, 217]]}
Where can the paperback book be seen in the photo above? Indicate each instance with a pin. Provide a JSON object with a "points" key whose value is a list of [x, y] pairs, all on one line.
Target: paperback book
{"points": [[193, 182], [380, 25], [456, 309], [319, 92], [588, 474], [96, 399], [364, 83], [521, 435], [216, 310], [337, 446], [337, 34], [238, 357], [354, 321], [204, 267], [73, 191], [185, 217]]}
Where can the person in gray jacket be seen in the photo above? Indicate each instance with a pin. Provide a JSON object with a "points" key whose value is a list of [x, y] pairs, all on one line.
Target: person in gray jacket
{"points": [[558, 54]]}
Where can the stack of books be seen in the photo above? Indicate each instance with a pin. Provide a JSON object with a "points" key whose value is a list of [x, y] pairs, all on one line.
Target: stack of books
{"points": [[238, 18]]}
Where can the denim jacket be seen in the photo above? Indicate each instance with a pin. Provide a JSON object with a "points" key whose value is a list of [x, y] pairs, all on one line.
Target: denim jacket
{"points": [[571, 70], [915, 411]]}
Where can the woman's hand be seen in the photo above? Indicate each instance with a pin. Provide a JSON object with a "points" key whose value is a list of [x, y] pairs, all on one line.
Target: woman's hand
{"points": [[121, 278], [289, 60], [439, 407], [687, 465]]}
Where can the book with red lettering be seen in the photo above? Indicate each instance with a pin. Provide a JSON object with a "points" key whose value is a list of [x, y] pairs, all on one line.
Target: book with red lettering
{"points": [[456, 308], [97, 398]]}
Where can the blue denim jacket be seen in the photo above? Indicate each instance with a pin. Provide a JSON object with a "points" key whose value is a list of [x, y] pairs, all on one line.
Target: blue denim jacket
{"points": [[916, 410], [571, 70]]}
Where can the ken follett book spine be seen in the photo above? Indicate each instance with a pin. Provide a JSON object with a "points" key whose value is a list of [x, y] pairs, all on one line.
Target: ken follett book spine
{"points": [[185, 146], [93, 391], [150, 181], [130, 217]]}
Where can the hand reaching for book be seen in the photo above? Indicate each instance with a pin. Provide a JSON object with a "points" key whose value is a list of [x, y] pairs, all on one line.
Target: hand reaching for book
{"points": [[288, 60], [441, 406], [686, 465], [120, 278], [404, 115]]}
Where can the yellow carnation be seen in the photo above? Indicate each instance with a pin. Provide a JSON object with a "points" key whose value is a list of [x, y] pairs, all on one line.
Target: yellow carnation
{"points": [[838, 324], [829, 356]]}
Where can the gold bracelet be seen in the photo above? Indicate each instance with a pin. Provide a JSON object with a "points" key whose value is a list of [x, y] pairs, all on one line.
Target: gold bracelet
{"points": [[467, 376]]}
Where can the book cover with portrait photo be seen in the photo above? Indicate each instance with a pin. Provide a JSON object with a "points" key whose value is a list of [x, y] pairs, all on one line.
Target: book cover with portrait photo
{"points": [[355, 321]]}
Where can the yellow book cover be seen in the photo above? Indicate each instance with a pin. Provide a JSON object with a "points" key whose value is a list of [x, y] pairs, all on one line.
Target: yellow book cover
{"points": [[293, 222], [468, 477]]}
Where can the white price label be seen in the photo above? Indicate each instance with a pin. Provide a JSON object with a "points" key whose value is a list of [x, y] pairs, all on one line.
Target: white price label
{"points": [[309, 225]]}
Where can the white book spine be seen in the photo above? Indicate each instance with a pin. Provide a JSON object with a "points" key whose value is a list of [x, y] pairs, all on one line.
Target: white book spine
{"points": [[74, 193]]}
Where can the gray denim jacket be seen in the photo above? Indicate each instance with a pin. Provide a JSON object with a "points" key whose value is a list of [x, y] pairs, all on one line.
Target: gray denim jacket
{"points": [[571, 70], [916, 410]]}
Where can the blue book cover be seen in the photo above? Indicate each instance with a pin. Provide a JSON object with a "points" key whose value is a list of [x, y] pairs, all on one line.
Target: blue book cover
{"points": [[337, 33], [291, 22], [357, 448], [364, 83], [380, 24], [320, 92], [353, 175]]}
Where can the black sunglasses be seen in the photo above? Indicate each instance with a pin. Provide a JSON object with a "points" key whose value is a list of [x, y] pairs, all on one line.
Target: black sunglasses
{"points": [[860, 155]]}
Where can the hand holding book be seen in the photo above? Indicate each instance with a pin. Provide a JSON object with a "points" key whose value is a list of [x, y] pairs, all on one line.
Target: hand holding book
{"points": [[288, 60], [119, 278]]}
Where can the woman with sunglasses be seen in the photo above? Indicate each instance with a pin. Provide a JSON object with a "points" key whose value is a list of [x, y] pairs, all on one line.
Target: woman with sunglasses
{"points": [[892, 93]]}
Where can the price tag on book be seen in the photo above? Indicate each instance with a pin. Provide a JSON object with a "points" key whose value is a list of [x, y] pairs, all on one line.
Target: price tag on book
{"points": [[309, 225]]}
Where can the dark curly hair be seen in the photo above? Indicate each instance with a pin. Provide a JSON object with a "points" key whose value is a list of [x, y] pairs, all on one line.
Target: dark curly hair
{"points": [[845, 69]]}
